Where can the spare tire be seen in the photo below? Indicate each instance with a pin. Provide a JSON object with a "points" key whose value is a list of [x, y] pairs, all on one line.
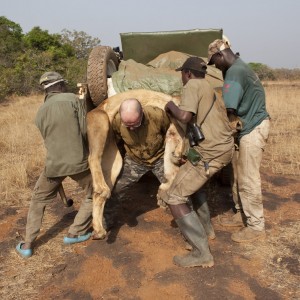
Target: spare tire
{"points": [[102, 63]]}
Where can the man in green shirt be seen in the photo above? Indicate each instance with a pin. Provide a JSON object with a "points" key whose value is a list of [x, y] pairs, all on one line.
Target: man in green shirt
{"points": [[244, 99], [62, 124]]}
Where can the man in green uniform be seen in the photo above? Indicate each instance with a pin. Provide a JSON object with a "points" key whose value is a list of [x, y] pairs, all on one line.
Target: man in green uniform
{"points": [[211, 148], [244, 99], [61, 121], [141, 132]]}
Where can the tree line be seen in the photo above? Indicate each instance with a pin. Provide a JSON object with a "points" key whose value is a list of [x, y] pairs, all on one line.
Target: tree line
{"points": [[24, 57]]}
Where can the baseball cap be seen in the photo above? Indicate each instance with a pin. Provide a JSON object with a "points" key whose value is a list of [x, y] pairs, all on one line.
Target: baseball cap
{"points": [[215, 47], [50, 78], [194, 63]]}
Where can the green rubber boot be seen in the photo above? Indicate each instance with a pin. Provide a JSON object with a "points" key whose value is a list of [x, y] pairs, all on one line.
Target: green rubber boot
{"points": [[199, 200], [194, 232]]}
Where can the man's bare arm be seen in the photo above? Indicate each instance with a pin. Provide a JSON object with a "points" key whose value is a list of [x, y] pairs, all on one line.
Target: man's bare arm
{"points": [[179, 114]]}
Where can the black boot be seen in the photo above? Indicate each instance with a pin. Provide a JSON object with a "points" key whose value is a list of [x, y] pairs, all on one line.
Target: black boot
{"points": [[199, 200], [194, 232]]}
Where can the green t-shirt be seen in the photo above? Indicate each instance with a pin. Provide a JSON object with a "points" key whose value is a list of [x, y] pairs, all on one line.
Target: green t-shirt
{"points": [[145, 144], [62, 123], [243, 91], [197, 98]]}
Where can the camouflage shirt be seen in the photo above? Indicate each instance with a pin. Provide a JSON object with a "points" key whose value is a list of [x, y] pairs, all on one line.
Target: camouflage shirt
{"points": [[146, 143]]}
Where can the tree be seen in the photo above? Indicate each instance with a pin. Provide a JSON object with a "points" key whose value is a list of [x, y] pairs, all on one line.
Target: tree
{"points": [[287, 74], [10, 41], [263, 71], [41, 40], [80, 41]]}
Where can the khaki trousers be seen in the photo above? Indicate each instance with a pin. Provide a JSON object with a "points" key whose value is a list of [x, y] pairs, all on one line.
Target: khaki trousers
{"points": [[190, 179], [45, 191], [246, 188]]}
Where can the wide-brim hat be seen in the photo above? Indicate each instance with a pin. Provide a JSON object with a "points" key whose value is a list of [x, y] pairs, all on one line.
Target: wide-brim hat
{"points": [[50, 78], [193, 63]]}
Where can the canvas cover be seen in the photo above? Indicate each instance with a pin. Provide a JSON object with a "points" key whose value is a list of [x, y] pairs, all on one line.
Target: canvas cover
{"points": [[145, 46], [158, 74]]}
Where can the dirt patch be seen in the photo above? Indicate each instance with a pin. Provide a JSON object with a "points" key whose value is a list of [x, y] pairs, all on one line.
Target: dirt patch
{"points": [[135, 260]]}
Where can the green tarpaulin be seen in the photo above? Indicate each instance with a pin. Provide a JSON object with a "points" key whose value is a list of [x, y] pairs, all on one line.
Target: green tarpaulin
{"points": [[158, 75]]}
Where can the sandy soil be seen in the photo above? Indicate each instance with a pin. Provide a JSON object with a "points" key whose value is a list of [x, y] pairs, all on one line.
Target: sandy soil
{"points": [[135, 260]]}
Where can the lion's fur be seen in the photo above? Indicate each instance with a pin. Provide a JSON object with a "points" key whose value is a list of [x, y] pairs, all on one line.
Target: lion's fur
{"points": [[105, 159]]}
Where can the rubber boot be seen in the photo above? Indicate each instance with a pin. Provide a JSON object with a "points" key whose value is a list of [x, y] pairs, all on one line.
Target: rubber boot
{"points": [[194, 232], [199, 200]]}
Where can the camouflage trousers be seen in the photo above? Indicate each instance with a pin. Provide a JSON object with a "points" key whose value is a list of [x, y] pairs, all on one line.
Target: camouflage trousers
{"points": [[130, 174]]}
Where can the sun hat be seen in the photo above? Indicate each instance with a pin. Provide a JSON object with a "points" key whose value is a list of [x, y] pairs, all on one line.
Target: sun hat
{"points": [[50, 78], [215, 47], [194, 63]]}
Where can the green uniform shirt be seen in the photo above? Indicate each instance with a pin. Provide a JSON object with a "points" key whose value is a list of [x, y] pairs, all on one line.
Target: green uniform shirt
{"points": [[244, 92], [62, 123], [144, 144], [197, 98]]}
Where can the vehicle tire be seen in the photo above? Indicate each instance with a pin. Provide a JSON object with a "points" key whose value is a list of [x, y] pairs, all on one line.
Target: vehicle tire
{"points": [[102, 63]]}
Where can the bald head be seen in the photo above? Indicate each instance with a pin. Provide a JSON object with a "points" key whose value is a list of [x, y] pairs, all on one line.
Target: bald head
{"points": [[131, 113]]}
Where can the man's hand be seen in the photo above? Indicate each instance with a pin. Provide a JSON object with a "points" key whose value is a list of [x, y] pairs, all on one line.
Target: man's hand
{"points": [[182, 160], [169, 107]]}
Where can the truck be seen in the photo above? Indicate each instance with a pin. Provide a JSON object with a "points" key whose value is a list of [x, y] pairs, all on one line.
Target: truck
{"points": [[139, 53]]}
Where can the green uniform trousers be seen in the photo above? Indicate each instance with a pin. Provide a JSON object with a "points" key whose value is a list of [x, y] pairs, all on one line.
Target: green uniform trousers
{"points": [[46, 190]]}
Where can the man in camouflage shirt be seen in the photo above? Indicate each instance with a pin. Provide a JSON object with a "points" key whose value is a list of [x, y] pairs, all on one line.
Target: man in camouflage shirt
{"points": [[140, 132]]}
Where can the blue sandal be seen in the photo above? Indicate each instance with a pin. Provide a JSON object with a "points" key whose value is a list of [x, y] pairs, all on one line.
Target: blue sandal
{"points": [[25, 253], [78, 239]]}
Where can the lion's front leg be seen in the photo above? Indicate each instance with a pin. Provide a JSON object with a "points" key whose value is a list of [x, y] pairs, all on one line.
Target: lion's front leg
{"points": [[172, 159], [98, 208]]}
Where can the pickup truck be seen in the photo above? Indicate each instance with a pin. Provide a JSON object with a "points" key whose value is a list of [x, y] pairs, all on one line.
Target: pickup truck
{"points": [[149, 56]]}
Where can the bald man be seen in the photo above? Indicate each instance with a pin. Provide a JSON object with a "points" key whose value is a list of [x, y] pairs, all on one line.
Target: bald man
{"points": [[140, 132]]}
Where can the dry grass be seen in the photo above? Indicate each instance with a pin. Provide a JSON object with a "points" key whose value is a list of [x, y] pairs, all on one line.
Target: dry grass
{"points": [[281, 264], [279, 255], [282, 153], [21, 148]]}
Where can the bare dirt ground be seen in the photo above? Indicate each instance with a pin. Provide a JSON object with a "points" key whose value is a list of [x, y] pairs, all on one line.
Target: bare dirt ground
{"points": [[135, 260]]}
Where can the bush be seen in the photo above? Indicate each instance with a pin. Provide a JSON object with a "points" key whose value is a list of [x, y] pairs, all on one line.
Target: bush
{"points": [[263, 71], [25, 57]]}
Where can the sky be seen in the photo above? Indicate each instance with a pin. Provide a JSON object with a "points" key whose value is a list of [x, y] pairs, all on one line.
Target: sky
{"points": [[262, 31]]}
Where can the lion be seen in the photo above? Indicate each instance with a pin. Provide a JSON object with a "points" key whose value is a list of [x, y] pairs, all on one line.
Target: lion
{"points": [[105, 159]]}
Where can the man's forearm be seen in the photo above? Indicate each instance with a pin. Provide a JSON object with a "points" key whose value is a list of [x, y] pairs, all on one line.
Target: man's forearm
{"points": [[179, 114]]}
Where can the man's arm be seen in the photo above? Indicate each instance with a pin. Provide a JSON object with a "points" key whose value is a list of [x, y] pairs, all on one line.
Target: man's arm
{"points": [[179, 114]]}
